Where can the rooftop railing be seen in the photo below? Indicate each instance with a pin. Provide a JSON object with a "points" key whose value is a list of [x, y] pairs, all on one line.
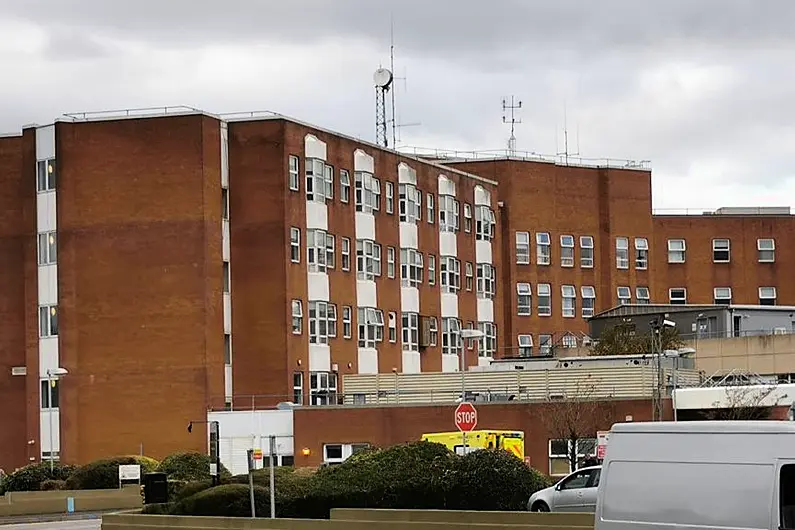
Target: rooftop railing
{"points": [[144, 112]]}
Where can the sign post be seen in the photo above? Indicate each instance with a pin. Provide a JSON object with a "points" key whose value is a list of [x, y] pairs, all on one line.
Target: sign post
{"points": [[251, 454], [466, 419]]}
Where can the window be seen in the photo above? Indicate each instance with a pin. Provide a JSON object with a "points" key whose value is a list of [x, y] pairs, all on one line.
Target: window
{"points": [[677, 296], [371, 326], [676, 250], [316, 186], [376, 194], [624, 295], [323, 388], [486, 281], [226, 278], [641, 253], [525, 345], [524, 299], [448, 213], [543, 255], [365, 198], [429, 204], [522, 248], [368, 259], [622, 253], [390, 197], [544, 292], [721, 250], [487, 345], [227, 349], [48, 321], [345, 250], [337, 453], [409, 203], [48, 248], [347, 321], [293, 173], [345, 186], [588, 300], [470, 275], [330, 251], [322, 322], [467, 217], [411, 332], [317, 250], [298, 388], [390, 262], [722, 295], [568, 341], [50, 389], [767, 250], [225, 204], [767, 296], [451, 336], [410, 267], [450, 274], [642, 295], [545, 344], [298, 316], [485, 223], [46, 175], [431, 269], [567, 251], [392, 325], [559, 460], [329, 178], [586, 252], [433, 331], [295, 245], [569, 300]]}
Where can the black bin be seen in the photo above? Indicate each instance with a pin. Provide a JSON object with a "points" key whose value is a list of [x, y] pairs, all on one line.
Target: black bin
{"points": [[155, 488]]}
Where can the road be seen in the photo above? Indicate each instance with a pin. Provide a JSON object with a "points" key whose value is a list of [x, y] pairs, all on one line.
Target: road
{"points": [[74, 524]]}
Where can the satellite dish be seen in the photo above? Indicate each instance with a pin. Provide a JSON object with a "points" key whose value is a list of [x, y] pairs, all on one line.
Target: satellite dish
{"points": [[382, 78]]}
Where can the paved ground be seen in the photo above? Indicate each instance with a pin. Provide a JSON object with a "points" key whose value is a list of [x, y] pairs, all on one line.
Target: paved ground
{"points": [[53, 522]]}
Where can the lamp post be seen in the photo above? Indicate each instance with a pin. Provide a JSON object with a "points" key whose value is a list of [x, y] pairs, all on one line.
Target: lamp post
{"points": [[53, 374], [465, 334]]}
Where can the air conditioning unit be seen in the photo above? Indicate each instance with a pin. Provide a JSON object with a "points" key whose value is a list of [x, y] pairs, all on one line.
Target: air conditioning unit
{"points": [[19, 370], [557, 396], [779, 331]]}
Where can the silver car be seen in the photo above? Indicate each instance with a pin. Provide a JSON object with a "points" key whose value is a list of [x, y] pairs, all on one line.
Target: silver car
{"points": [[574, 493]]}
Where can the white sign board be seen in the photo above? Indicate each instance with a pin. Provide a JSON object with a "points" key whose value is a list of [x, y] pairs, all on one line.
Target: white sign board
{"points": [[130, 472], [601, 444]]}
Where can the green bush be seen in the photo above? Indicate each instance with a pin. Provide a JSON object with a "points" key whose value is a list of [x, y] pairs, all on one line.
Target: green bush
{"points": [[228, 500], [190, 467], [181, 489], [53, 485], [31, 477], [104, 474]]}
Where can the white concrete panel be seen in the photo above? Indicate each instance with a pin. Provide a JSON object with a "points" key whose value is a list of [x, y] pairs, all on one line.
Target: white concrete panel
{"points": [[366, 294], [319, 358], [316, 215], [314, 148], [485, 310], [482, 197], [227, 313], [450, 363], [446, 186], [725, 396], [46, 212], [45, 142], [363, 162], [241, 431], [448, 244], [224, 155], [368, 361], [406, 174], [226, 240], [411, 362], [485, 361], [45, 429], [48, 284], [365, 226], [483, 252], [449, 305], [48, 355], [318, 286], [408, 235], [409, 299], [228, 381]]}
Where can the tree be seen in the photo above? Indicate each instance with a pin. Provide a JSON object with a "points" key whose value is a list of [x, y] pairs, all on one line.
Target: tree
{"points": [[743, 403], [578, 416], [622, 340]]}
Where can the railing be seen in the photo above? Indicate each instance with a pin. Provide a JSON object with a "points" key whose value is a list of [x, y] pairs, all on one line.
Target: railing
{"points": [[726, 212], [730, 334], [144, 112], [489, 154]]}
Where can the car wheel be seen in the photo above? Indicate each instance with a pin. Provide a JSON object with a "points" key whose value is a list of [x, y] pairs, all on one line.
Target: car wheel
{"points": [[540, 507]]}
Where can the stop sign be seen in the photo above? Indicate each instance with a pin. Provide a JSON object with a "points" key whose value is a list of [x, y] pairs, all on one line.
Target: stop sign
{"points": [[466, 417]]}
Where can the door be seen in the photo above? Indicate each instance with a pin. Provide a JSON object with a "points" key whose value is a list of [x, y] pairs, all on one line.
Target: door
{"points": [[571, 494], [786, 495]]}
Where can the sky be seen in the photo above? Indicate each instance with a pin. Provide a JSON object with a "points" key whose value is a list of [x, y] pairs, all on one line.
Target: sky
{"points": [[703, 89]]}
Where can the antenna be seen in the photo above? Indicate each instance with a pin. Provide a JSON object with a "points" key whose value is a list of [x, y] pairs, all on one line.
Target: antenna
{"points": [[512, 107], [566, 152], [394, 121], [383, 82]]}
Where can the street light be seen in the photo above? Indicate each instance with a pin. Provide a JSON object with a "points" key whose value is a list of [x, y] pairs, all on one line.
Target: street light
{"points": [[53, 374], [469, 334]]}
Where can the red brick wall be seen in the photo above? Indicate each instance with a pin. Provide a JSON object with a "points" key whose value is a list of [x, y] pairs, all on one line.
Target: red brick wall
{"points": [[385, 426]]}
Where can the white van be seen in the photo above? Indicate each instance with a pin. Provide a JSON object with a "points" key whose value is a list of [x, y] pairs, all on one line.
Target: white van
{"points": [[704, 474]]}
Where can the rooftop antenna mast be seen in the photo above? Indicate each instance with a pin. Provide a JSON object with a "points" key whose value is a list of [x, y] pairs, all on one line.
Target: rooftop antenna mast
{"points": [[565, 153], [383, 82], [395, 125], [514, 106]]}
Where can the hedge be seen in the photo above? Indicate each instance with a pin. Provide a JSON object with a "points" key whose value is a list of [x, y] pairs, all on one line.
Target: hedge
{"points": [[32, 476], [227, 500], [104, 474], [189, 467]]}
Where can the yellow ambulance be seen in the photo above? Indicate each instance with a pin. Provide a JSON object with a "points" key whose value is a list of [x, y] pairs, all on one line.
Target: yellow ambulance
{"points": [[511, 441]]}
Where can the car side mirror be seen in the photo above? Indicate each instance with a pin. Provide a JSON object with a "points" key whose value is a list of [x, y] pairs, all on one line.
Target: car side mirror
{"points": [[559, 486]]}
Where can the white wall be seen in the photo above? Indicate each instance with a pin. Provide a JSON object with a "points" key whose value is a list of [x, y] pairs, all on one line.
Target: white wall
{"points": [[244, 430]]}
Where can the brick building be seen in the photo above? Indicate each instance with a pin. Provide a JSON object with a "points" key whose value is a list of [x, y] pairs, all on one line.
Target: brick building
{"points": [[176, 261]]}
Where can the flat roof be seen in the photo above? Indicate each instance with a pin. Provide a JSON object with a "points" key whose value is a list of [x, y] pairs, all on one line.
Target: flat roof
{"points": [[735, 427], [655, 309]]}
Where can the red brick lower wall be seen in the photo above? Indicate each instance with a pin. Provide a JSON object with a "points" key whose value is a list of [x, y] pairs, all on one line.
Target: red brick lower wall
{"points": [[385, 426]]}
